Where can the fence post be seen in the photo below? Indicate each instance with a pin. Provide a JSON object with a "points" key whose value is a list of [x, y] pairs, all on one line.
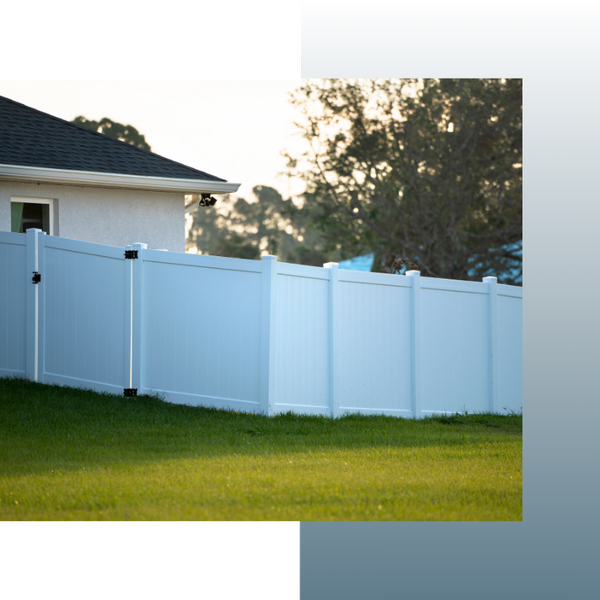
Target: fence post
{"points": [[415, 334], [137, 318], [492, 283], [267, 333], [128, 321], [32, 335], [41, 310], [333, 334]]}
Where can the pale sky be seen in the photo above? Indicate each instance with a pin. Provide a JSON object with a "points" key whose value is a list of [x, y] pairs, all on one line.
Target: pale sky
{"points": [[234, 129]]}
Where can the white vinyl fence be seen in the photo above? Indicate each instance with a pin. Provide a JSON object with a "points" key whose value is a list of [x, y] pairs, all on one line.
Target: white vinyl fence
{"points": [[256, 336]]}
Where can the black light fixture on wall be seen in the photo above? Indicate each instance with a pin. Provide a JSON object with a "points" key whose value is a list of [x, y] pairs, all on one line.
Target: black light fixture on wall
{"points": [[207, 200]]}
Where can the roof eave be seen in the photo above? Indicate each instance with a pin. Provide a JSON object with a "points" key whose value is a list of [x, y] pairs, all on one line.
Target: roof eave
{"points": [[115, 180]]}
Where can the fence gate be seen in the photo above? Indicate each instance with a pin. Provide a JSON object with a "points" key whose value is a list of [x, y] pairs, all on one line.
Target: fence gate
{"points": [[66, 312]]}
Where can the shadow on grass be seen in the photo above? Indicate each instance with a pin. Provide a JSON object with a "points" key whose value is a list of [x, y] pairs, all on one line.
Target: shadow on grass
{"points": [[42, 426]]}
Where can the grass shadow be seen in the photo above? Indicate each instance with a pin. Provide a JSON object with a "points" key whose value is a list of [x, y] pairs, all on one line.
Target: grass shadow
{"points": [[43, 425]]}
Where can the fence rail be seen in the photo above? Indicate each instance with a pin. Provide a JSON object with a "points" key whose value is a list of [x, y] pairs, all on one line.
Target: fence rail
{"points": [[256, 336]]}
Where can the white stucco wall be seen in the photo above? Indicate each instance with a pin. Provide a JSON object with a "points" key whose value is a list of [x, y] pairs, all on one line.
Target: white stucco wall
{"points": [[106, 216]]}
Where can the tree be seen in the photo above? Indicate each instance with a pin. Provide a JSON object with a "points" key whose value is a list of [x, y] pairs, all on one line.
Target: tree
{"points": [[427, 170], [118, 131], [242, 229], [236, 246]]}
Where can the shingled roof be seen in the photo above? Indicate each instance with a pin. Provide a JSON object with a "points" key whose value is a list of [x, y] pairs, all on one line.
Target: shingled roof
{"points": [[31, 138]]}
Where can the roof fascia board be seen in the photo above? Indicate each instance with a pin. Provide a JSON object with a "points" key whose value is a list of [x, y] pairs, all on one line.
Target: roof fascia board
{"points": [[91, 178]]}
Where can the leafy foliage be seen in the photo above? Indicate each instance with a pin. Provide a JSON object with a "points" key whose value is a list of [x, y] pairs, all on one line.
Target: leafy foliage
{"points": [[241, 229], [236, 246], [118, 131], [425, 169]]}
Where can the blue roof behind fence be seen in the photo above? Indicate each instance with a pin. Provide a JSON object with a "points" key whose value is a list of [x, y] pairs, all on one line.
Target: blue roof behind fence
{"points": [[358, 263], [514, 267], [365, 263]]}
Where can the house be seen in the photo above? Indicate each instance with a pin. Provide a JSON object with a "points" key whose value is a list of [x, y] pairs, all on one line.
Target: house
{"points": [[76, 183]]}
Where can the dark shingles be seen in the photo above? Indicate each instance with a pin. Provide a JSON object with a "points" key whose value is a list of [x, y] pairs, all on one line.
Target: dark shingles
{"points": [[32, 138]]}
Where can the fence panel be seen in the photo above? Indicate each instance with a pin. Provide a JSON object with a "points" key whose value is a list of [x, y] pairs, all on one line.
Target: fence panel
{"points": [[301, 350], [375, 344], [201, 329], [13, 303], [86, 339], [510, 349], [455, 365]]}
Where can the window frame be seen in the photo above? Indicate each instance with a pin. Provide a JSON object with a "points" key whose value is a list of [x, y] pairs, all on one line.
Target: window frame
{"points": [[29, 200]]}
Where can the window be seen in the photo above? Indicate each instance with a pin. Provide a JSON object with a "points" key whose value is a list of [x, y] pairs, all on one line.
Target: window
{"points": [[27, 213]]}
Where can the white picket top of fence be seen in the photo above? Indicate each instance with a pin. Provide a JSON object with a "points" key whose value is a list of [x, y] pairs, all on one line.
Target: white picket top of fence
{"points": [[256, 336]]}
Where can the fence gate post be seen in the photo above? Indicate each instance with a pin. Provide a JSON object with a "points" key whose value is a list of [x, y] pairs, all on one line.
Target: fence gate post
{"points": [[137, 317], [267, 333], [415, 333], [492, 283], [128, 321], [33, 347], [333, 334]]}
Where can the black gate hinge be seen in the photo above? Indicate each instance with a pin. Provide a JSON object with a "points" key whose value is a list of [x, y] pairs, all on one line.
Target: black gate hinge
{"points": [[36, 277], [131, 253], [130, 392]]}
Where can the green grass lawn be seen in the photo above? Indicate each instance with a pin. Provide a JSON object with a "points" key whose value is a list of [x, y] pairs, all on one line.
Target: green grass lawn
{"points": [[67, 454]]}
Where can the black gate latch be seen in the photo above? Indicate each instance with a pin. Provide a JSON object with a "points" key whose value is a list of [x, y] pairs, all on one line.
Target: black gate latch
{"points": [[131, 253], [36, 277]]}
